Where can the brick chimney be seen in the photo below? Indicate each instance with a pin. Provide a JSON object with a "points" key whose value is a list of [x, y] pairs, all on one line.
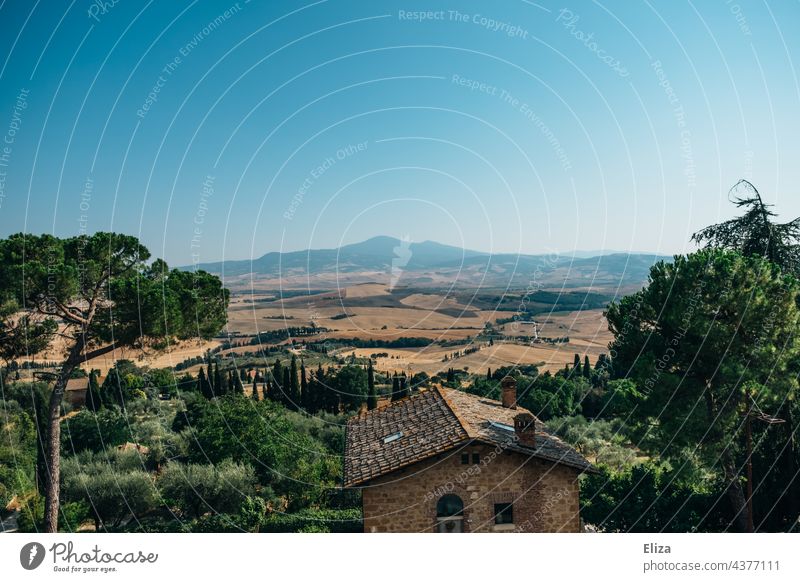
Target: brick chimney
{"points": [[509, 392], [525, 429]]}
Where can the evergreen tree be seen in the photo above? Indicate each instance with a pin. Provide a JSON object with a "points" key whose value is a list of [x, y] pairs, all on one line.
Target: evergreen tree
{"points": [[489, 374], [219, 384], [265, 389], [303, 386], [204, 386], [396, 395], [372, 394], [403, 386], [755, 233], [294, 385], [238, 385], [93, 399], [255, 390], [587, 368], [210, 378], [576, 366]]}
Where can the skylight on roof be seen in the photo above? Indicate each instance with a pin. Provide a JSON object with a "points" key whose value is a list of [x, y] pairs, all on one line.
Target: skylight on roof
{"points": [[392, 437], [501, 426]]}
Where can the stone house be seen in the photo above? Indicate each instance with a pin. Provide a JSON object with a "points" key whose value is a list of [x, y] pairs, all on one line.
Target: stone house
{"points": [[446, 461]]}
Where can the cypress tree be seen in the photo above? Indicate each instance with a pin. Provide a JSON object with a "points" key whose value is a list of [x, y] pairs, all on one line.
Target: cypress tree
{"points": [[303, 386], [210, 377], [204, 386], [93, 401], [489, 374], [403, 386], [266, 388], [255, 390], [294, 385], [396, 395], [576, 366], [587, 369], [372, 394], [219, 381]]}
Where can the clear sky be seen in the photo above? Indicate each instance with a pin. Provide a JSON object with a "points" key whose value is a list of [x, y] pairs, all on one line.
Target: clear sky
{"points": [[219, 129]]}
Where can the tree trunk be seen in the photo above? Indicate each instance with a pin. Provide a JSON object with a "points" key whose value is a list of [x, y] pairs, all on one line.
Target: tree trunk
{"points": [[735, 493], [53, 485]]}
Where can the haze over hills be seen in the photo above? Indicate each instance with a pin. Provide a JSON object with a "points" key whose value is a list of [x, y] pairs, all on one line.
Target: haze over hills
{"points": [[431, 264]]}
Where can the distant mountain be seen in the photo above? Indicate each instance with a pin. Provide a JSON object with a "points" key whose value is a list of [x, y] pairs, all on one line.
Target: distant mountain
{"points": [[430, 263]]}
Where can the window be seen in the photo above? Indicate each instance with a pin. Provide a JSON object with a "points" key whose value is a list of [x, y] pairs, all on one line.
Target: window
{"points": [[465, 458], [501, 426], [449, 514], [449, 506], [476, 458], [503, 513], [392, 437]]}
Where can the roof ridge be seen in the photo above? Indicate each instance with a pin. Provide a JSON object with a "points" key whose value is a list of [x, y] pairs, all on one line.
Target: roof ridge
{"points": [[464, 424]]}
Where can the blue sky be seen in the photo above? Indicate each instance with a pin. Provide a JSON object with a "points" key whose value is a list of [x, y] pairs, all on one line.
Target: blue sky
{"points": [[226, 130]]}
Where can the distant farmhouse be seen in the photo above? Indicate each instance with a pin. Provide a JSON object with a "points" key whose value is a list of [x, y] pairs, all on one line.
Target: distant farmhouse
{"points": [[447, 461]]}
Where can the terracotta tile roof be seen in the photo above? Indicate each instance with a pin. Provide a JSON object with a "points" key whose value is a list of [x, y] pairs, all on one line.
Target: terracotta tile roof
{"points": [[433, 422]]}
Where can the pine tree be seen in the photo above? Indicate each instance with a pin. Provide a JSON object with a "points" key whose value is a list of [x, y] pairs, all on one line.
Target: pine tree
{"points": [[372, 394], [93, 400]]}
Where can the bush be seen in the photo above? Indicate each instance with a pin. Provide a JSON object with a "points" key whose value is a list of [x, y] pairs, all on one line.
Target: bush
{"points": [[333, 520], [195, 490]]}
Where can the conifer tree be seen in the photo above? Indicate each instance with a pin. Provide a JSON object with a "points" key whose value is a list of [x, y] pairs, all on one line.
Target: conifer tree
{"points": [[396, 388], [372, 394], [489, 374], [294, 385], [303, 386], [255, 390], [265, 389], [587, 368], [576, 366], [210, 378]]}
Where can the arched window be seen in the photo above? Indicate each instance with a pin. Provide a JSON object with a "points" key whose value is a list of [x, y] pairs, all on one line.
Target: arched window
{"points": [[449, 514]]}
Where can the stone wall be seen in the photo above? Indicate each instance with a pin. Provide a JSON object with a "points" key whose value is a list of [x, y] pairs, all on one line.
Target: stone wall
{"points": [[544, 495]]}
